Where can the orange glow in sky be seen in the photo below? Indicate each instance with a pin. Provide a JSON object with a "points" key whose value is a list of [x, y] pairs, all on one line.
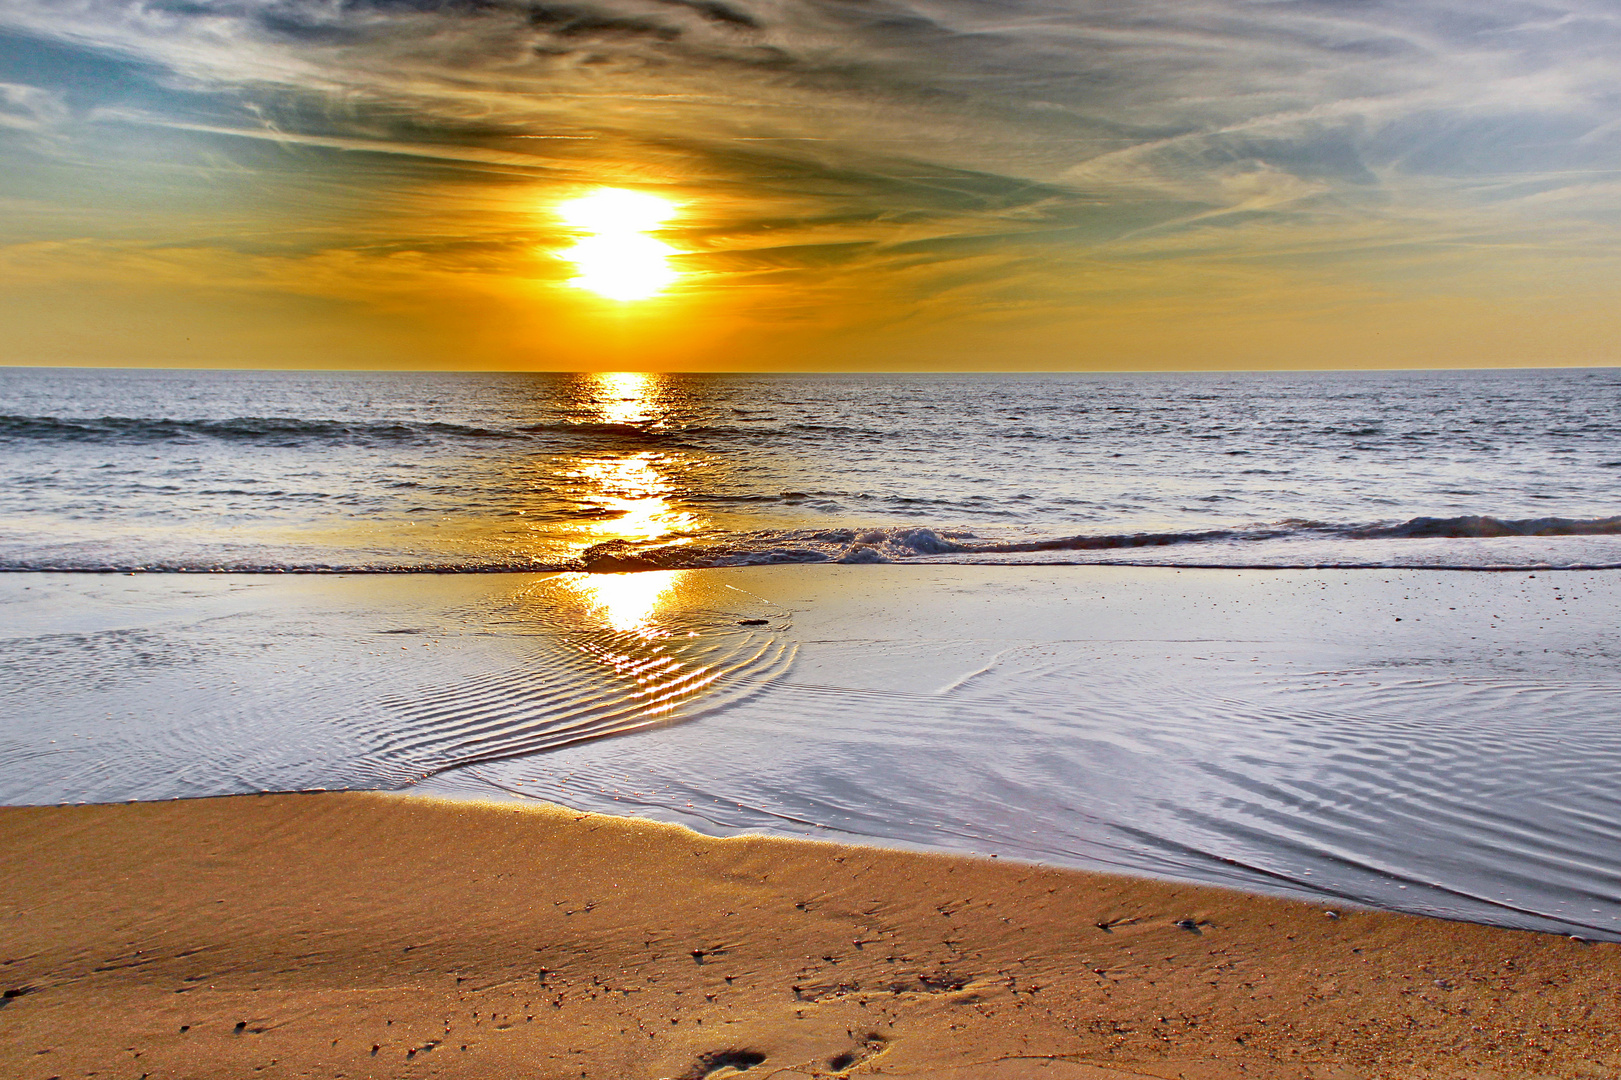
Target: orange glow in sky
{"points": [[1024, 186]]}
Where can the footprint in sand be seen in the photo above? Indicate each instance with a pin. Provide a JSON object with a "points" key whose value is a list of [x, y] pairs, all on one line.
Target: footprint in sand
{"points": [[724, 1062], [871, 1046]]}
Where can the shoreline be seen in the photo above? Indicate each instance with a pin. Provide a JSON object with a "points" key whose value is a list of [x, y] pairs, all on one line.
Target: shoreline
{"points": [[375, 935], [923, 562], [1361, 738]]}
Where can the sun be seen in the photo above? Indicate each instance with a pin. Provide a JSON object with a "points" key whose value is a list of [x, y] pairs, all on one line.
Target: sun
{"points": [[615, 257]]}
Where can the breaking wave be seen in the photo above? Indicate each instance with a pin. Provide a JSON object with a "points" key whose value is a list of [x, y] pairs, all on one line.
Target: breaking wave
{"points": [[1483, 527], [1280, 545], [1489, 545]]}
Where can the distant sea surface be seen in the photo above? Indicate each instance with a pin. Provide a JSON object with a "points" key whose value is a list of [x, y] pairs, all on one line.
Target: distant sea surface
{"points": [[295, 471]]}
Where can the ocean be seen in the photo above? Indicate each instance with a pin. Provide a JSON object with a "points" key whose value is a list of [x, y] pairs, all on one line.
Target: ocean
{"points": [[1352, 636], [295, 471]]}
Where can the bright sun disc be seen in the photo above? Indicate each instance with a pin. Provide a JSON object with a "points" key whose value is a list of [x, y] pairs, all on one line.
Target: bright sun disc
{"points": [[616, 210], [617, 259], [623, 267]]}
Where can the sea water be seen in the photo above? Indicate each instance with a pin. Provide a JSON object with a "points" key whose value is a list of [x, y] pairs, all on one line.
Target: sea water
{"points": [[1356, 636], [266, 471]]}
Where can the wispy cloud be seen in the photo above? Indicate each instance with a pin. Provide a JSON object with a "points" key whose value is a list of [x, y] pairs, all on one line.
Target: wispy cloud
{"points": [[834, 154]]}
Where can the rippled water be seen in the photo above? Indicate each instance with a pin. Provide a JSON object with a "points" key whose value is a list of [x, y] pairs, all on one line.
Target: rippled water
{"points": [[290, 471], [156, 689]]}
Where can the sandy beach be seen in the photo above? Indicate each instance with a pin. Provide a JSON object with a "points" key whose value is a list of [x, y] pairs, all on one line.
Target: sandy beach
{"points": [[371, 935]]}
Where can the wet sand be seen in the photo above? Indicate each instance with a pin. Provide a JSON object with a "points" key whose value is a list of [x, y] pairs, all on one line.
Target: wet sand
{"points": [[369, 935]]}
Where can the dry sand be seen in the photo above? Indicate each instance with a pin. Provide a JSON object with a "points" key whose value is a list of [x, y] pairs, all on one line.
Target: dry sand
{"points": [[357, 935]]}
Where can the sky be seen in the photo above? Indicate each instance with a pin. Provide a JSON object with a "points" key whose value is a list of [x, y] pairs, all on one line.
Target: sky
{"points": [[853, 184]]}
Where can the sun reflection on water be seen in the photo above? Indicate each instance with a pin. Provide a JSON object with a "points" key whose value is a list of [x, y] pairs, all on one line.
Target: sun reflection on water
{"points": [[628, 603], [634, 632], [635, 498], [632, 489], [624, 397]]}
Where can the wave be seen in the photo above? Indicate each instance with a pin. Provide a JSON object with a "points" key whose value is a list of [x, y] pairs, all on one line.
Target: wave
{"points": [[1484, 527], [853, 546], [1549, 542], [297, 432], [263, 429]]}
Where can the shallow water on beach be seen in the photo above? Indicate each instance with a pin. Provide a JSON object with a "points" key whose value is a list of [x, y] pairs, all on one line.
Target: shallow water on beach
{"points": [[1434, 742]]}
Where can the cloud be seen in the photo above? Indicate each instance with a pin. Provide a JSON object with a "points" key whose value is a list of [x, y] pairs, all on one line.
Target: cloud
{"points": [[29, 108], [1043, 90], [826, 151]]}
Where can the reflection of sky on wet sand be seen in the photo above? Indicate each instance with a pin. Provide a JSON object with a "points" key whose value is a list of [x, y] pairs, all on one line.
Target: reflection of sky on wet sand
{"points": [[397, 676], [1065, 714], [648, 644]]}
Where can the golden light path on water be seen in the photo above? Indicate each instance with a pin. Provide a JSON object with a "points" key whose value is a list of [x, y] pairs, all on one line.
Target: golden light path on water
{"points": [[615, 256], [637, 498], [651, 634], [633, 491], [636, 494], [613, 652], [624, 397]]}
